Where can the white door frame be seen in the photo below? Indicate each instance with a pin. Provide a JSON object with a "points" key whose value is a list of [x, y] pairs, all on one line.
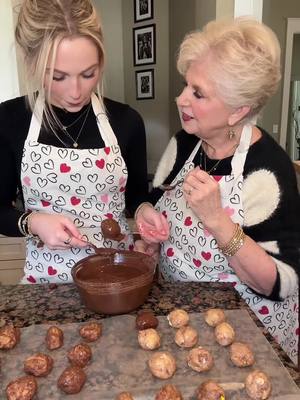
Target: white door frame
{"points": [[293, 27], [248, 7]]}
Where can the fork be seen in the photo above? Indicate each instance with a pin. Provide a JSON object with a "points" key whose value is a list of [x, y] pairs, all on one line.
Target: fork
{"points": [[166, 186]]}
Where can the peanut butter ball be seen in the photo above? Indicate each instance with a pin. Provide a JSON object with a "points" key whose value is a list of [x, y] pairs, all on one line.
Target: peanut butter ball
{"points": [[162, 364], [38, 364], [258, 385], [186, 336], [23, 388], [80, 355], [9, 337], [91, 331], [168, 392], [224, 334], [111, 229], [54, 338], [214, 316], [241, 354], [178, 318], [210, 390], [200, 359], [72, 380], [124, 396], [146, 320], [149, 339]]}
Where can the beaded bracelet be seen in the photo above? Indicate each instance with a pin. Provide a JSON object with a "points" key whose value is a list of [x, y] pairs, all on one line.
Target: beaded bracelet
{"points": [[140, 206], [235, 243]]}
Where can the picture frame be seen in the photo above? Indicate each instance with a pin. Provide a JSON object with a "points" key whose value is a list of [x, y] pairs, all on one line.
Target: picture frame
{"points": [[143, 10], [144, 84], [144, 45]]}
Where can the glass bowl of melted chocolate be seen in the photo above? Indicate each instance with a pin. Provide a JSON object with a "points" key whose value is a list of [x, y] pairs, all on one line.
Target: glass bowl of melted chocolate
{"points": [[114, 281]]}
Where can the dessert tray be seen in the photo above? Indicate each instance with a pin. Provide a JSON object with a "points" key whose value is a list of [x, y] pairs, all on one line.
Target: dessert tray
{"points": [[120, 364]]}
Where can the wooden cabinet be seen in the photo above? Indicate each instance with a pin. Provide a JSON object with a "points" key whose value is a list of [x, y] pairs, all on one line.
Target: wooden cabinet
{"points": [[12, 259]]}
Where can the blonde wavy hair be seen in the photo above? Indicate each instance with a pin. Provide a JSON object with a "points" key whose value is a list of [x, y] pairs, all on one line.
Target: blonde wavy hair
{"points": [[41, 26], [245, 58]]}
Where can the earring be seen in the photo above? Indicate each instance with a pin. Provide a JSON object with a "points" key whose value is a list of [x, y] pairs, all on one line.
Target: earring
{"points": [[231, 134]]}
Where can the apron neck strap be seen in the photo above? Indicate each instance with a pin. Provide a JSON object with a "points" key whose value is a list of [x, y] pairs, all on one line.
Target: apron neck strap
{"points": [[239, 157], [36, 119], [194, 152], [105, 129], [103, 124]]}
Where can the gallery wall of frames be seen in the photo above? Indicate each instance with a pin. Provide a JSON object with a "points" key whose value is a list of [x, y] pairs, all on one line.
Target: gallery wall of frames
{"points": [[144, 48]]}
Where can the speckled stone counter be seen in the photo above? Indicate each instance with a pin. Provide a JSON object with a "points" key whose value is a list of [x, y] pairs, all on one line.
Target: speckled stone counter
{"points": [[25, 305]]}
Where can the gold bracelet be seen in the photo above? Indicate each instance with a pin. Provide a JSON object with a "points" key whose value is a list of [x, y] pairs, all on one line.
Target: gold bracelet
{"points": [[235, 243], [140, 206]]}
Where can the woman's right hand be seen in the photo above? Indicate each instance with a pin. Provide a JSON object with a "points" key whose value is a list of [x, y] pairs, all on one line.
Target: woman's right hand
{"points": [[57, 232], [152, 225]]}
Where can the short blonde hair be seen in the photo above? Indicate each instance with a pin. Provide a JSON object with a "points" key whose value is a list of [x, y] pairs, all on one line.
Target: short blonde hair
{"points": [[41, 26], [245, 58]]}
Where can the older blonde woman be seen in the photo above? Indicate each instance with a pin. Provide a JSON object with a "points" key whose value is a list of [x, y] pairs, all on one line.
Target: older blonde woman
{"points": [[72, 154], [235, 214]]}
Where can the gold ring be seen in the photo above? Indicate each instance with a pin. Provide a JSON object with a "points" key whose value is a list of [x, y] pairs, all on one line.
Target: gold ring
{"points": [[68, 241]]}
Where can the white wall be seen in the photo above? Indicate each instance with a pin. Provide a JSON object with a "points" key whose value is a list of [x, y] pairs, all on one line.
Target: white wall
{"points": [[224, 8], [9, 86], [111, 16]]}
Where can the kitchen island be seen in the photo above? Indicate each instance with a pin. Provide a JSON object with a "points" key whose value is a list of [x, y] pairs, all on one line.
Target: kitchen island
{"points": [[26, 305]]}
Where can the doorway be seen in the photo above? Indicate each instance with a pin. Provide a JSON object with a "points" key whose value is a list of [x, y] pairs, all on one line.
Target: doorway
{"points": [[290, 111]]}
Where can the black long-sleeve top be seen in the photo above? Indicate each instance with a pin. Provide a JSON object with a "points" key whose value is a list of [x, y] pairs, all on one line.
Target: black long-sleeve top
{"points": [[15, 117]]}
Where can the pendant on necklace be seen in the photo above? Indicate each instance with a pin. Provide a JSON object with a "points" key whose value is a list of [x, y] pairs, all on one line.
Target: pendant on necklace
{"points": [[75, 144]]}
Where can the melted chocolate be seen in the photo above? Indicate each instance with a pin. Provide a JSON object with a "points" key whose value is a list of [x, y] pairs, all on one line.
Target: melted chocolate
{"points": [[109, 273], [114, 282]]}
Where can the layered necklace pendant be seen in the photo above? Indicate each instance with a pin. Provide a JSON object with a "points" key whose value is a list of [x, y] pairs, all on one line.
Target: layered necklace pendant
{"points": [[203, 163], [75, 144], [203, 160], [65, 128]]}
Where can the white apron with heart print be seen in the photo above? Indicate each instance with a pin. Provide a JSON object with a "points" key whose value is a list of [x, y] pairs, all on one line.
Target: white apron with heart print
{"points": [[192, 254], [86, 185]]}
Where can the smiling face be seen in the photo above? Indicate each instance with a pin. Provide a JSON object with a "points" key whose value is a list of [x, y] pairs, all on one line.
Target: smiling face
{"points": [[202, 111], [76, 73]]}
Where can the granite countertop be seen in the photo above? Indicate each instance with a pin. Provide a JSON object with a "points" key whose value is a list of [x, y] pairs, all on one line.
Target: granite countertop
{"points": [[25, 305]]}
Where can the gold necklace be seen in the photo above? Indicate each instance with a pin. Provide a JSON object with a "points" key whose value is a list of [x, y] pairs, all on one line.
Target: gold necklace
{"points": [[64, 128], [214, 167], [203, 157]]}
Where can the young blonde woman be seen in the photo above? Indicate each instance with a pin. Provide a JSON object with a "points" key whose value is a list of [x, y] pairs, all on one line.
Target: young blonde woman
{"points": [[75, 157], [235, 214]]}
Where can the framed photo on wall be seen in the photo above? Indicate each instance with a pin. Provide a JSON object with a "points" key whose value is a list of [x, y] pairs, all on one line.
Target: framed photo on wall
{"points": [[144, 45], [144, 84], [143, 10]]}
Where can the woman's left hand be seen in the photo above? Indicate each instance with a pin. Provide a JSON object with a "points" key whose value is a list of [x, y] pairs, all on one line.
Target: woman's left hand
{"points": [[202, 193]]}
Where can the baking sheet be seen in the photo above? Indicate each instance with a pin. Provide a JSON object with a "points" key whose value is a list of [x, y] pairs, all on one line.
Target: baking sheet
{"points": [[119, 364]]}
